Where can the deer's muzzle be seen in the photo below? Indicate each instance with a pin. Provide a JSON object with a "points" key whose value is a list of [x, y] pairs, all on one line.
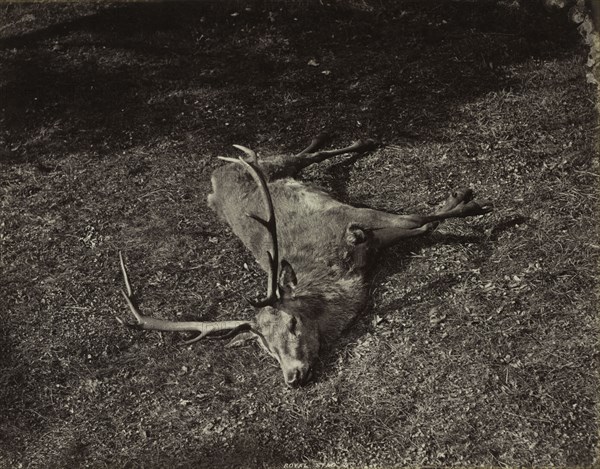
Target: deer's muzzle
{"points": [[297, 376]]}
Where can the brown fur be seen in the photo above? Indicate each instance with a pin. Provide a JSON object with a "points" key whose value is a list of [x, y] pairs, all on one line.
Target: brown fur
{"points": [[310, 226]]}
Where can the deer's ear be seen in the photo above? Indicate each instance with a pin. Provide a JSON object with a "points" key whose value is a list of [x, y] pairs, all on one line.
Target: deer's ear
{"points": [[355, 234], [287, 279]]}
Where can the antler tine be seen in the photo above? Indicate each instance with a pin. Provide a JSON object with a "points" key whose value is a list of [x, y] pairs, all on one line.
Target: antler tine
{"points": [[250, 153], [148, 323], [270, 224], [128, 295]]}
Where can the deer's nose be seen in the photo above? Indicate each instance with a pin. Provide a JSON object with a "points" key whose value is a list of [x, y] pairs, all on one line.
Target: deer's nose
{"points": [[297, 376], [292, 379]]}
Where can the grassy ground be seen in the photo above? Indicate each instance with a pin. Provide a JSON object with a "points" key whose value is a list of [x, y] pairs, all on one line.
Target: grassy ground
{"points": [[480, 346]]}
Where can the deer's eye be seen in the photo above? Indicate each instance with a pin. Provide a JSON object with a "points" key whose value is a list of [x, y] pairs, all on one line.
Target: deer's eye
{"points": [[292, 325]]}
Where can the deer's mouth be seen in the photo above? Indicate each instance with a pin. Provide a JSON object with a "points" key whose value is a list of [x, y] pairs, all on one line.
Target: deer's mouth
{"points": [[298, 377]]}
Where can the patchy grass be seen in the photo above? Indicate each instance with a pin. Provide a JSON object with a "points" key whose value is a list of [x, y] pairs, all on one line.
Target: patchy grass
{"points": [[480, 346]]}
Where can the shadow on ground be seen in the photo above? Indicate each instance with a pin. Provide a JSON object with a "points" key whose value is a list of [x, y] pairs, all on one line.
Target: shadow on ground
{"points": [[127, 74]]}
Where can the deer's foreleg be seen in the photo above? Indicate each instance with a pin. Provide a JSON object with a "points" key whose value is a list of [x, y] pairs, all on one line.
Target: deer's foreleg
{"points": [[289, 166], [303, 159], [394, 228]]}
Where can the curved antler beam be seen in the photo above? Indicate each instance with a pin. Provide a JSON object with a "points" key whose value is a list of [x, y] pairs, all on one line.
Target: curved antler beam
{"points": [[204, 328], [270, 224]]}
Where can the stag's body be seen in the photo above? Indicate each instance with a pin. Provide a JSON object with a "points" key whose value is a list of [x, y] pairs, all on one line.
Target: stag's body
{"points": [[316, 250], [311, 226]]}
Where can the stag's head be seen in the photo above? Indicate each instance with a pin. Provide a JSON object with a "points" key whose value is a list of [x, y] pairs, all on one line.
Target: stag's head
{"points": [[282, 328], [291, 339]]}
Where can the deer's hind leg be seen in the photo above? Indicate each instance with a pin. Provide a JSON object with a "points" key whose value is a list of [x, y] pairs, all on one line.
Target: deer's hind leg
{"points": [[394, 228]]}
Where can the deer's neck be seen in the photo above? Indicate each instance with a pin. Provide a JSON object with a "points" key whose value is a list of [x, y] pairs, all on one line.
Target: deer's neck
{"points": [[331, 294]]}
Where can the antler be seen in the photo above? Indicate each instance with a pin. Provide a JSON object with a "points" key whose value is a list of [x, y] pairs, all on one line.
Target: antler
{"points": [[153, 324], [270, 223], [250, 153]]}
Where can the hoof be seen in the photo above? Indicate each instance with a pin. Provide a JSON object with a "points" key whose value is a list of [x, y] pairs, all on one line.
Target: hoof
{"points": [[462, 195], [478, 207], [456, 198], [368, 145]]}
